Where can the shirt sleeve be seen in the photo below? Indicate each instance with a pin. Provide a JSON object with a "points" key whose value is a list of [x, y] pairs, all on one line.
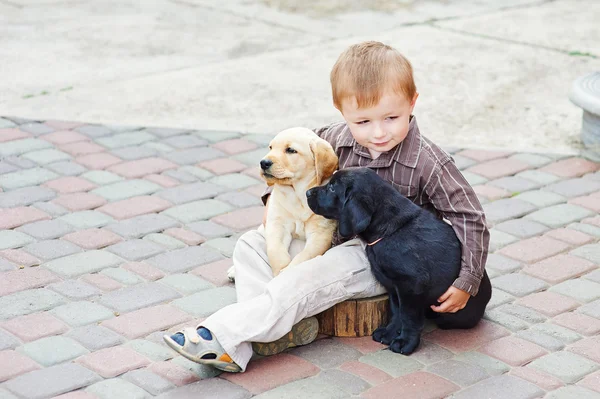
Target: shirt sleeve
{"points": [[455, 199]]}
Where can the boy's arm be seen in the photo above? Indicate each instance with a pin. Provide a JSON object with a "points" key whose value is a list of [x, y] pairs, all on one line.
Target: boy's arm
{"points": [[455, 199]]}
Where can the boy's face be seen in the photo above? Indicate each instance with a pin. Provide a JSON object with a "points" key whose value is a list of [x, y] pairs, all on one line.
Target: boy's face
{"points": [[381, 127]]}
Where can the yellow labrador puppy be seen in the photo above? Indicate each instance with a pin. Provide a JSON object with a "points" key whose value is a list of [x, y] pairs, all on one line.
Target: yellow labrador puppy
{"points": [[298, 159]]}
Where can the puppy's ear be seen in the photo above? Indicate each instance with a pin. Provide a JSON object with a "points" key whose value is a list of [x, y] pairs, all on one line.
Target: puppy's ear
{"points": [[326, 162], [354, 218]]}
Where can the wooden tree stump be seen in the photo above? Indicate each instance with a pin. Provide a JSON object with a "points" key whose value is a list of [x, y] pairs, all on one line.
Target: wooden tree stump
{"points": [[355, 317]]}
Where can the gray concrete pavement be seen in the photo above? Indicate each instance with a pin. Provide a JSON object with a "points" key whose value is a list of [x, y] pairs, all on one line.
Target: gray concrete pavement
{"points": [[490, 74]]}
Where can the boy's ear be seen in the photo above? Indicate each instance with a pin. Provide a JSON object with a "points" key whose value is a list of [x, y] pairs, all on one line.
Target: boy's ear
{"points": [[326, 162], [413, 102], [354, 218]]}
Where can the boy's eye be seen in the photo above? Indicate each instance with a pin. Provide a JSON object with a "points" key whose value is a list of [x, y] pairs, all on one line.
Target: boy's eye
{"points": [[290, 150], [362, 122], [392, 117]]}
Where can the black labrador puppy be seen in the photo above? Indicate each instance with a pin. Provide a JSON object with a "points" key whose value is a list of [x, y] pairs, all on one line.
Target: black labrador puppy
{"points": [[412, 253]]}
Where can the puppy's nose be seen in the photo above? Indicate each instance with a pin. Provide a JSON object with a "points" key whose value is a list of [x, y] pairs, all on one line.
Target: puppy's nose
{"points": [[265, 164], [309, 193]]}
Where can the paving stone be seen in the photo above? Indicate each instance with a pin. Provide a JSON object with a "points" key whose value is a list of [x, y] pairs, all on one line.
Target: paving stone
{"points": [[126, 189], [121, 275], [50, 208], [26, 302], [544, 340], [67, 168], [593, 276], [101, 177], [111, 362], [581, 323], [491, 365], [190, 192], [19, 364], [82, 263], [573, 237], [591, 309], [99, 160], [79, 202], [165, 240], [200, 370], [186, 236], [571, 167], [592, 381], [5, 167], [484, 155], [199, 173], [81, 313], [541, 199], [20, 280], [534, 249], [368, 373], [429, 353], [20, 162], [139, 296], [251, 158], [572, 391], [590, 252], [205, 303], [148, 381], [135, 206], [161, 148], [568, 367], [209, 229], [515, 184], [52, 249], [463, 374], [473, 178], [535, 160], [93, 238], [215, 272], [36, 128], [150, 350], [574, 187], [193, 155], [241, 219], [52, 350], [57, 379], [506, 320], [70, 184], [490, 193], [499, 239], [521, 228], [27, 328], [499, 168], [214, 137], [198, 210], [518, 284], [579, 289], [585, 228], [186, 283], [19, 147], [505, 209], [94, 131], [5, 123], [185, 259], [102, 282], [589, 202], [504, 386], [559, 215], [144, 270], [15, 217], [46, 156], [268, 373], [180, 175], [184, 141], [219, 388], [462, 162], [464, 340], [223, 166], [522, 313], [563, 334], [164, 181], [117, 387], [136, 249], [502, 263], [548, 303], [95, 337], [20, 257], [75, 289], [499, 297], [142, 322], [13, 239], [7, 341], [348, 383], [6, 266], [538, 176], [420, 384], [387, 361], [235, 146], [513, 351], [63, 137], [82, 148], [87, 219], [165, 132], [46, 229], [225, 245], [134, 152], [142, 167], [25, 196], [139, 226]]}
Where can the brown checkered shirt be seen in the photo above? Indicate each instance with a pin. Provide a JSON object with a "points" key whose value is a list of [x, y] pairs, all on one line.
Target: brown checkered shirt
{"points": [[427, 175]]}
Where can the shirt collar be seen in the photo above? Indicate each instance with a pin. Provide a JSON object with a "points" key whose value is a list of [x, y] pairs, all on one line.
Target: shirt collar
{"points": [[406, 153]]}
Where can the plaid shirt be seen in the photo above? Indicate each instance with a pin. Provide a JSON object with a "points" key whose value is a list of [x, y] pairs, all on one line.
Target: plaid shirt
{"points": [[424, 173]]}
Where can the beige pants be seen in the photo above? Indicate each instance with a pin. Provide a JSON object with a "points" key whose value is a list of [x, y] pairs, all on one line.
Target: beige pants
{"points": [[268, 307]]}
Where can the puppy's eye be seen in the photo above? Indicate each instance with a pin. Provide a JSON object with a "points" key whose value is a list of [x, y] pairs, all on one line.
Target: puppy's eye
{"points": [[290, 150], [270, 147], [330, 188]]}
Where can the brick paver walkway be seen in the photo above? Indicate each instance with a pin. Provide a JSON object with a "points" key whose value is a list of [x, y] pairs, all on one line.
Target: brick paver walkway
{"points": [[110, 236]]}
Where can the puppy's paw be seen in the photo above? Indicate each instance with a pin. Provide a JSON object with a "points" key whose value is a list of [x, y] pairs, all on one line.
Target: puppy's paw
{"points": [[279, 262], [385, 335], [231, 274], [405, 344]]}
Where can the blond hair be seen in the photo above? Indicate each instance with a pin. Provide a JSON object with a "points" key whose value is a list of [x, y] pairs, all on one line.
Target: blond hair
{"points": [[365, 70]]}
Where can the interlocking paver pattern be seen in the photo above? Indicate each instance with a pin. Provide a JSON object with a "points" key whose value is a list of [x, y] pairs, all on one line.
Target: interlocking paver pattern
{"points": [[112, 235]]}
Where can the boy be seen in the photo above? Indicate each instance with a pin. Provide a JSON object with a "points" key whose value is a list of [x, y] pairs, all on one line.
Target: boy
{"points": [[373, 87]]}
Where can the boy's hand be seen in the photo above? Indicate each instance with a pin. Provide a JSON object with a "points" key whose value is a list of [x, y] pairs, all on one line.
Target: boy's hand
{"points": [[453, 300]]}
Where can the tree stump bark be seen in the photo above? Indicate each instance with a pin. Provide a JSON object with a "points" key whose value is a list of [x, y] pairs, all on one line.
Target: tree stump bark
{"points": [[355, 317]]}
